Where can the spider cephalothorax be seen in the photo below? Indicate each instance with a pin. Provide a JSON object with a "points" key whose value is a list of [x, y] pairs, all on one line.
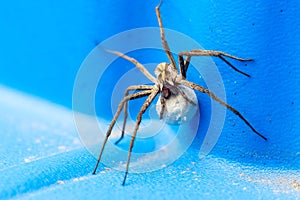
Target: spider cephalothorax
{"points": [[166, 79], [166, 74], [176, 93], [177, 103]]}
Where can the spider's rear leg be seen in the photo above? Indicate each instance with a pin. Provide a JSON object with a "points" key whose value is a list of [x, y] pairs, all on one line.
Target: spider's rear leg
{"points": [[212, 95], [130, 88], [200, 52], [120, 107]]}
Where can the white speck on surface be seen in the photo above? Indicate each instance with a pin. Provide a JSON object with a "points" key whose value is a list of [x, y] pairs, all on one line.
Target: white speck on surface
{"points": [[60, 182], [75, 179], [37, 141], [295, 185], [61, 147], [78, 179], [29, 159], [235, 183]]}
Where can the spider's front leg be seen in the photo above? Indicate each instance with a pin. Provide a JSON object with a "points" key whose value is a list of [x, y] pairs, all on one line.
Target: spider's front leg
{"points": [[141, 67], [130, 88], [162, 36], [120, 107], [146, 104], [199, 52]]}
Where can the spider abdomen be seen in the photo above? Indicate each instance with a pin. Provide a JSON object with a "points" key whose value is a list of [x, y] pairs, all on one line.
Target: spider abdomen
{"points": [[179, 107]]}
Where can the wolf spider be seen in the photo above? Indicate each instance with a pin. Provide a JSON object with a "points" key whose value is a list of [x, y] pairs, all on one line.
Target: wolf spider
{"points": [[166, 84]]}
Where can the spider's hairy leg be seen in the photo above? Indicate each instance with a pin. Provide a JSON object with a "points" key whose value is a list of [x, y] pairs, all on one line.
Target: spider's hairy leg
{"points": [[130, 88], [184, 64], [141, 67], [163, 107], [162, 36], [212, 95], [146, 104], [120, 107], [219, 54]]}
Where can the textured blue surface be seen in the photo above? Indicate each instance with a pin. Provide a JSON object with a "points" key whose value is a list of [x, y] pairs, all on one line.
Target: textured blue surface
{"points": [[42, 47]]}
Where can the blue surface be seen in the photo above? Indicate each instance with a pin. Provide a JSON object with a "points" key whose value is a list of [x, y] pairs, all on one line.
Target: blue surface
{"points": [[42, 47]]}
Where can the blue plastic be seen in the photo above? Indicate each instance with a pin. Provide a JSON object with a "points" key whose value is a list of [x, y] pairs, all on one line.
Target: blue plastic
{"points": [[42, 47]]}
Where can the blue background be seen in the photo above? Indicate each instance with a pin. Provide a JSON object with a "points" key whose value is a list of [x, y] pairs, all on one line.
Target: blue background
{"points": [[43, 45]]}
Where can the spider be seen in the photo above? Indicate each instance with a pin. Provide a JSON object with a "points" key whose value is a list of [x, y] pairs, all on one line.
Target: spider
{"points": [[168, 83]]}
